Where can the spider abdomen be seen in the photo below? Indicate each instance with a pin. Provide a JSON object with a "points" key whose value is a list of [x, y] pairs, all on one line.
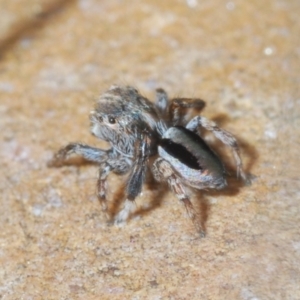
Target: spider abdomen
{"points": [[192, 158]]}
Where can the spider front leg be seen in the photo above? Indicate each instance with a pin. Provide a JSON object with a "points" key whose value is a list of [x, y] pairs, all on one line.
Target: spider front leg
{"points": [[91, 154], [136, 178], [225, 137], [115, 163], [163, 171], [87, 152], [105, 169]]}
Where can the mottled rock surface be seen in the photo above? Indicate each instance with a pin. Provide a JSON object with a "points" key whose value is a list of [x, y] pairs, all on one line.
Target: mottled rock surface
{"points": [[242, 57]]}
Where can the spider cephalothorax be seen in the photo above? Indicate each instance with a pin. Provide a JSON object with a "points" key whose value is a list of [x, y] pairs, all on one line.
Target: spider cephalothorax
{"points": [[138, 129]]}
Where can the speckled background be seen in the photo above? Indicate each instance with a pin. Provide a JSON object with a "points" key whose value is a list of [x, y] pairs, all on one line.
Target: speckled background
{"points": [[242, 57]]}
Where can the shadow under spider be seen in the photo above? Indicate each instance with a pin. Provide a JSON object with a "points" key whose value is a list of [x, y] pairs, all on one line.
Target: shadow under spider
{"points": [[158, 190]]}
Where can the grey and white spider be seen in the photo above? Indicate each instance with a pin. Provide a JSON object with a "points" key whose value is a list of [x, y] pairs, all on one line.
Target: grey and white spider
{"points": [[138, 129]]}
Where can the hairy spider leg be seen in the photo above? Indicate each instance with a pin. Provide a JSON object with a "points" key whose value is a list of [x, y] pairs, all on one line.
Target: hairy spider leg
{"points": [[104, 171], [163, 171], [224, 136], [87, 152], [174, 110], [109, 161], [136, 177], [179, 108], [161, 102]]}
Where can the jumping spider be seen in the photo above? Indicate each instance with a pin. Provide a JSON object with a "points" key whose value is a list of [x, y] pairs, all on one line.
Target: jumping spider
{"points": [[137, 129]]}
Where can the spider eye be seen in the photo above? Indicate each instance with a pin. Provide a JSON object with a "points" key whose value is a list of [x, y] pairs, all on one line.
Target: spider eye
{"points": [[111, 120], [100, 119]]}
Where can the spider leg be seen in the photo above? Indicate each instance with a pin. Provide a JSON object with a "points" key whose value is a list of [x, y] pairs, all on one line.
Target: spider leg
{"points": [[224, 136], [104, 171], [179, 108], [136, 178], [91, 154], [115, 163], [163, 171], [162, 102], [87, 152]]}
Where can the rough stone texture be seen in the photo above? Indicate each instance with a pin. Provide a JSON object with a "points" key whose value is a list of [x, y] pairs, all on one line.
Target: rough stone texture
{"points": [[242, 57]]}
